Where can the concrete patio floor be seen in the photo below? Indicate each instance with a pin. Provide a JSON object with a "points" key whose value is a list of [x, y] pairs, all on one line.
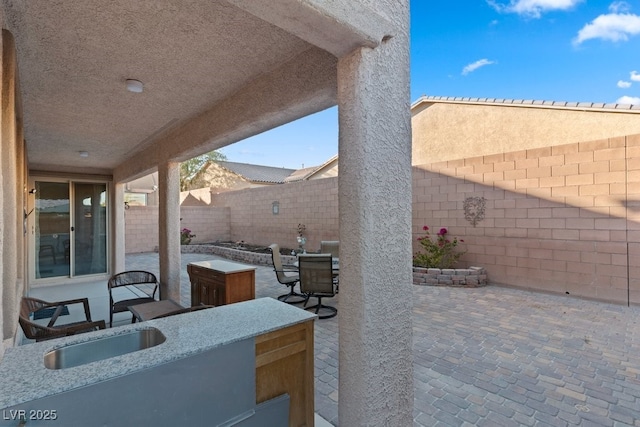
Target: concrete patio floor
{"points": [[488, 356]]}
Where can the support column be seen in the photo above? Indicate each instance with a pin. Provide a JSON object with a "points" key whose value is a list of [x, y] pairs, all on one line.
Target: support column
{"points": [[11, 213], [119, 244], [375, 359], [169, 230]]}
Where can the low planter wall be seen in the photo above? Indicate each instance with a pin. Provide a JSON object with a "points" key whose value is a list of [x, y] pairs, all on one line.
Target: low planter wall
{"points": [[235, 254], [471, 277]]}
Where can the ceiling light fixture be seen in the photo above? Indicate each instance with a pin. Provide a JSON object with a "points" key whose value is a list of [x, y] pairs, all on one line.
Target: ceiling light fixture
{"points": [[134, 86], [83, 153]]}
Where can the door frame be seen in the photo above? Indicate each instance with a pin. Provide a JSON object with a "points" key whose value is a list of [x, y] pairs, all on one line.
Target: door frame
{"points": [[30, 231]]}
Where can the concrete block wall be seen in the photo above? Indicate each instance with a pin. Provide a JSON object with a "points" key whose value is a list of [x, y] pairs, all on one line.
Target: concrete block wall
{"points": [[208, 223], [312, 203], [563, 219], [141, 229]]}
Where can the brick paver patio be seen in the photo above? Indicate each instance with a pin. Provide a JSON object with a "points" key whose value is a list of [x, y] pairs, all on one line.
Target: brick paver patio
{"points": [[495, 356]]}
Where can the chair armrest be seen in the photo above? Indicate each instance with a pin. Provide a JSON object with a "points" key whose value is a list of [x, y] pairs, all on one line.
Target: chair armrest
{"points": [[290, 267], [285, 270], [60, 305], [81, 327]]}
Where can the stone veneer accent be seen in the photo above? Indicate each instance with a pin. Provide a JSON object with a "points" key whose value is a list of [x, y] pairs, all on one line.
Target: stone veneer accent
{"points": [[471, 277], [235, 254]]}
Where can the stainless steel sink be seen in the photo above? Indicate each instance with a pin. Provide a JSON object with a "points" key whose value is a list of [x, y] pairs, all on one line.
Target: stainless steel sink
{"points": [[102, 348]]}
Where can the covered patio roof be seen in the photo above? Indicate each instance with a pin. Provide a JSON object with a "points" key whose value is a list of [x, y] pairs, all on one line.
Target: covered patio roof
{"points": [[201, 64]]}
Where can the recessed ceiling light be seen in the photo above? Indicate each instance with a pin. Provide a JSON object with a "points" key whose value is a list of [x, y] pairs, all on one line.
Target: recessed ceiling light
{"points": [[83, 153], [134, 86]]}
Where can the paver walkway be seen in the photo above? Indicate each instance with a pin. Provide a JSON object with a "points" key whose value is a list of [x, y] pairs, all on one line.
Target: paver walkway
{"points": [[496, 356]]}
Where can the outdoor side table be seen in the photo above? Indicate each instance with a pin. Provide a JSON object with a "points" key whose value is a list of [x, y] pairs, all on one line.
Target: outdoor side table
{"points": [[219, 282]]}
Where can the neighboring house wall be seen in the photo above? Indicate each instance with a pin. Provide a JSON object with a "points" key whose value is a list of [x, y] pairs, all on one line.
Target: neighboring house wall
{"points": [[222, 179], [208, 223], [448, 130], [562, 219]]}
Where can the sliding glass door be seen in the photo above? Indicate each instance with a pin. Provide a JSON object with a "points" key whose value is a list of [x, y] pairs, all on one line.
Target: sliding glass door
{"points": [[69, 229]]}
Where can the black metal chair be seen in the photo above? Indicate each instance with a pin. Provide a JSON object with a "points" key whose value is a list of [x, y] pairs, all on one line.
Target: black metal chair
{"points": [[40, 332], [316, 280], [130, 278], [289, 280]]}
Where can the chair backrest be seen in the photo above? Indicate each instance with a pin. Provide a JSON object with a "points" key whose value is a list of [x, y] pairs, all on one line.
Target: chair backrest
{"points": [[316, 273], [33, 330], [330, 247], [133, 277], [277, 261], [30, 305]]}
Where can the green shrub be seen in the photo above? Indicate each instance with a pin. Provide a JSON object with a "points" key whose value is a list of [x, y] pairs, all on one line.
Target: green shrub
{"points": [[439, 253]]}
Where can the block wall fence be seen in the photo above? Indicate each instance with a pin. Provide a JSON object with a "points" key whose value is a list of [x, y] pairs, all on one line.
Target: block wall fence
{"points": [[208, 223], [561, 219]]}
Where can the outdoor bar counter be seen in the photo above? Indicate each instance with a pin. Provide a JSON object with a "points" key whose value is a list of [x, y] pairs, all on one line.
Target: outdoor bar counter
{"points": [[187, 378]]}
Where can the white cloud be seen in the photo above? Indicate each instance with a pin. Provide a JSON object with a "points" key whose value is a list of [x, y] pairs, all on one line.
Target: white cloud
{"points": [[532, 8], [619, 7], [474, 66], [629, 100], [634, 76], [614, 27], [622, 84]]}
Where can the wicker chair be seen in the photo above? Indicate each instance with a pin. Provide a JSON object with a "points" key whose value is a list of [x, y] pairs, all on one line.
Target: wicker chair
{"points": [[316, 280], [130, 278], [39, 332], [289, 280]]}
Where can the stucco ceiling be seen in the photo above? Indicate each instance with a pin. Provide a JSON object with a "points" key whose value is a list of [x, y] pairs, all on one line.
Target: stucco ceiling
{"points": [[75, 55]]}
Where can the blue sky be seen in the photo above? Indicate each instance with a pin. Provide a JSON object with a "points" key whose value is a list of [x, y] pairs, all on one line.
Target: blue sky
{"points": [[553, 50]]}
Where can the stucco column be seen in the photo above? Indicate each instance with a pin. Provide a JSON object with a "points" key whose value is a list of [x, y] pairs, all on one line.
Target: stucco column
{"points": [[376, 373], [119, 246], [169, 230], [9, 210]]}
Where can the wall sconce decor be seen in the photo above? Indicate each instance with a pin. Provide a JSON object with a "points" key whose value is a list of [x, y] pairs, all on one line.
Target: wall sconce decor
{"points": [[275, 208], [474, 208]]}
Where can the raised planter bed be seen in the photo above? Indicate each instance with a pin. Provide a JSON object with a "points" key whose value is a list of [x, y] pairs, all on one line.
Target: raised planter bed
{"points": [[471, 277], [235, 254]]}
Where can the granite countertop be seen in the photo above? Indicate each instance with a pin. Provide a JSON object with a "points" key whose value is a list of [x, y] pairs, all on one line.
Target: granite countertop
{"points": [[224, 266], [25, 378]]}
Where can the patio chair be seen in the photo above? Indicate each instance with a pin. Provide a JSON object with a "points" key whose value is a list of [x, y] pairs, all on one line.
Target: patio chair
{"points": [[40, 332], [316, 280], [130, 278], [330, 247], [289, 280]]}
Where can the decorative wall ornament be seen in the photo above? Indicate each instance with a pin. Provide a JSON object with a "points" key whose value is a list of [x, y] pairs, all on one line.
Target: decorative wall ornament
{"points": [[474, 208]]}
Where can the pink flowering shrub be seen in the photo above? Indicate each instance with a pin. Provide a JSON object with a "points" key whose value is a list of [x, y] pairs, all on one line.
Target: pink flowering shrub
{"points": [[186, 236], [439, 253]]}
